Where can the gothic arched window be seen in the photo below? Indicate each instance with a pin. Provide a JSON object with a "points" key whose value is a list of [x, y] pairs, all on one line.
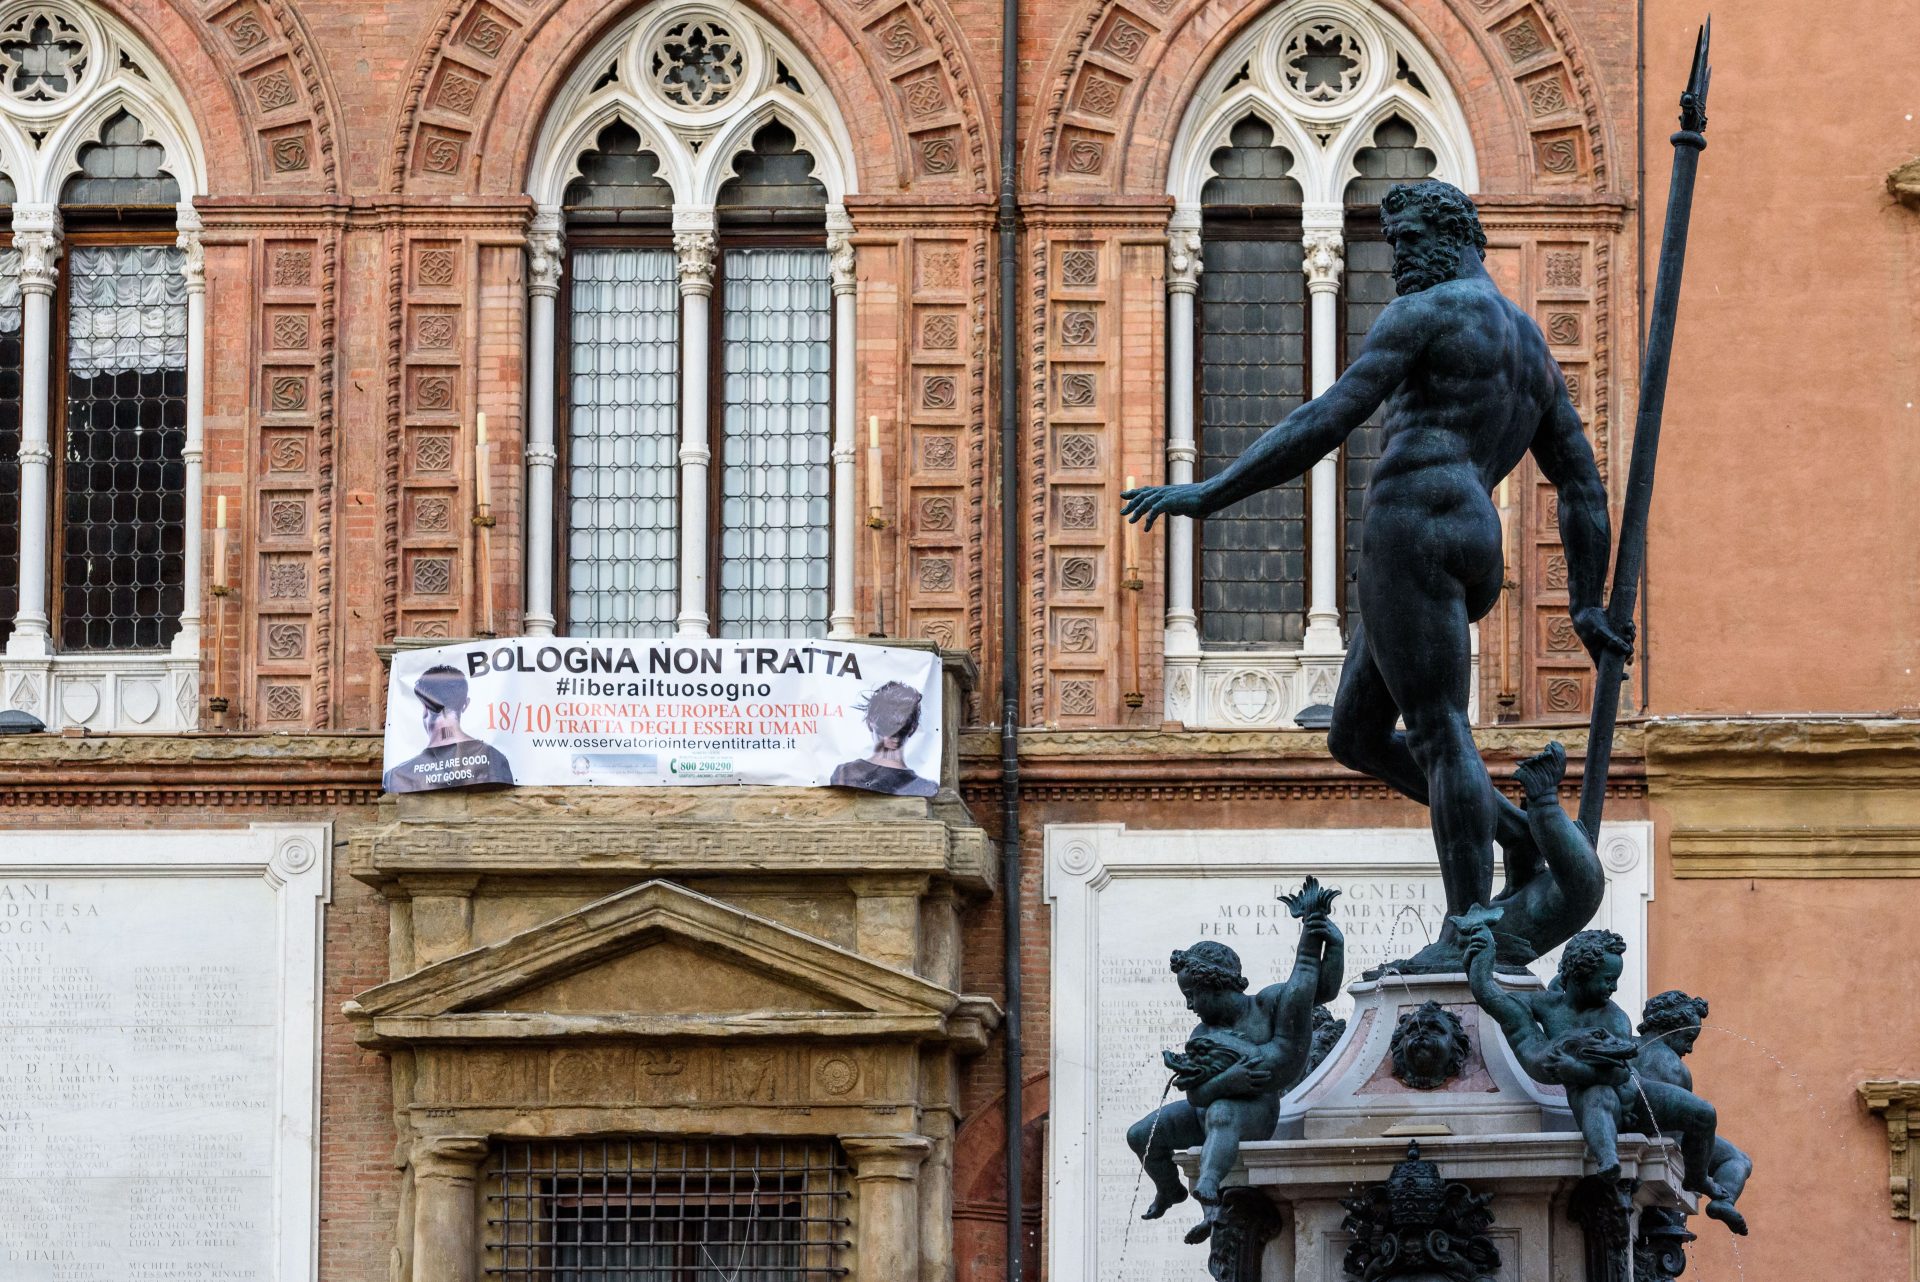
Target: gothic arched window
{"points": [[706, 278], [99, 327], [1276, 270]]}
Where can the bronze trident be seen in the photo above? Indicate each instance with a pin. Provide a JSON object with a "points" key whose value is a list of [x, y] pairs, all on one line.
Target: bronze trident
{"points": [[1688, 143]]}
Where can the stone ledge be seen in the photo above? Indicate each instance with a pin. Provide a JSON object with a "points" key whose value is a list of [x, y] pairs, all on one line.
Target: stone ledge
{"points": [[656, 831], [1790, 797], [1333, 1167], [1128, 763]]}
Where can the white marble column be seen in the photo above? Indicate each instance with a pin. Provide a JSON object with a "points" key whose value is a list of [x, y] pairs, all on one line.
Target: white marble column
{"points": [[1181, 646], [845, 379], [696, 249], [1323, 265], [186, 642], [543, 292], [36, 234]]}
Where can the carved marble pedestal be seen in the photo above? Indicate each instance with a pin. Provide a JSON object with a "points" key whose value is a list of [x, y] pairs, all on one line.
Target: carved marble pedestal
{"points": [[1486, 1127]]}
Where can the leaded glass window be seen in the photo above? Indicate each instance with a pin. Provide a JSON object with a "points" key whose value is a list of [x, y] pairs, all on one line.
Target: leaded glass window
{"points": [[10, 319], [121, 169], [619, 182], [122, 497], [770, 406], [1252, 369], [777, 353], [623, 426]]}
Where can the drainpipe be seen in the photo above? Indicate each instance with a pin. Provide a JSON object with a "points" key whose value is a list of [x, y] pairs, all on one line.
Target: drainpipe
{"points": [[1010, 579]]}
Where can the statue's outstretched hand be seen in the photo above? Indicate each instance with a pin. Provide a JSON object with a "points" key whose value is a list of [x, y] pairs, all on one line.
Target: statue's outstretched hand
{"points": [[1155, 501], [1599, 635]]}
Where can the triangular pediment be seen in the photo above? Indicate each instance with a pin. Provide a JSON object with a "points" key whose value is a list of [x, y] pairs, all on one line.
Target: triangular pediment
{"points": [[654, 951]]}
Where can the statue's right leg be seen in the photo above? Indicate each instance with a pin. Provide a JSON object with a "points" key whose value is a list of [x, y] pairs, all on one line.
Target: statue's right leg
{"points": [[1154, 1139], [1596, 1109], [1731, 1169], [1676, 1109], [1363, 737]]}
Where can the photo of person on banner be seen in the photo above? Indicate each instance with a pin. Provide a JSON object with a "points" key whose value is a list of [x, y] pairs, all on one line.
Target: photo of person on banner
{"points": [[452, 758], [892, 714]]}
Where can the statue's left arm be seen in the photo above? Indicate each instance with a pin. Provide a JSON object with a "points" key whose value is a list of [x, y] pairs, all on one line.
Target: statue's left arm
{"points": [[1566, 460], [1319, 964], [1329, 950], [1307, 435]]}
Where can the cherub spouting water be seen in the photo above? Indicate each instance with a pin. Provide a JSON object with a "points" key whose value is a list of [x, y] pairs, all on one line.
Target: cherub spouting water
{"points": [[1245, 1053], [1573, 1034]]}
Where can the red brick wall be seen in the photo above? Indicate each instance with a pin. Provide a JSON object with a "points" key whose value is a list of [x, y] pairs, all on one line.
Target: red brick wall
{"points": [[344, 177]]}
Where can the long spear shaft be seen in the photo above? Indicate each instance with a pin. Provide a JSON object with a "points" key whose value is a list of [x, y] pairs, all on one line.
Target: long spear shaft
{"points": [[1688, 143]]}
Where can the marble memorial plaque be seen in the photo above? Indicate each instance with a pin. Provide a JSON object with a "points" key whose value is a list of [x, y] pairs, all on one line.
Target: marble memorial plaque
{"points": [[1123, 900], [142, 1082]]}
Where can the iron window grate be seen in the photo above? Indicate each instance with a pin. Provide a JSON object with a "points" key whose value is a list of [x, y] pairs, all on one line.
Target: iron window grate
{"points": [[668, 1210]]}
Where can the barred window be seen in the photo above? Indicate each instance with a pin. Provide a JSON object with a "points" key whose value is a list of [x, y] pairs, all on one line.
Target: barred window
{"points": [[122, 471], [770, 353], [668, 1210], [118, 405]]}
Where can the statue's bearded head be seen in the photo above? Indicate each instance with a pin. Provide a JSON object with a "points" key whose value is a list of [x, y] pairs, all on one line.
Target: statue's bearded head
{"points": [[1429, 1047], [1429, 224]]}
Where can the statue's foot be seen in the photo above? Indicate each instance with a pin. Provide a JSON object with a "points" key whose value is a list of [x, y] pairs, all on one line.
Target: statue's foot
{"points": [[1706, 1187], [1611, 1174], [1540, 774], [1199, 1233], [1722, 1210], [1165, 1201]]}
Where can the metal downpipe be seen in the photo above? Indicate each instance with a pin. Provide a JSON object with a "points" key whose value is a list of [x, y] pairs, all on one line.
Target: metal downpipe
{"points": [[1010, 578]]}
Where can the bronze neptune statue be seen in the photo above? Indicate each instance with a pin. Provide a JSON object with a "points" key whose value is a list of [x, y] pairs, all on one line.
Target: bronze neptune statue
{"points": [[1467, 388]]}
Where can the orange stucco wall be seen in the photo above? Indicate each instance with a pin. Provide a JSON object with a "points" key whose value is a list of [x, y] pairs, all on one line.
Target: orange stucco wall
{"points": [[1785, 555]]}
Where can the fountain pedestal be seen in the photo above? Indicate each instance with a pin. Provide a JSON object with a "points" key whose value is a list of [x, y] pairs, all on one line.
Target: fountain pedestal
{"points": [[1499, 1166]]}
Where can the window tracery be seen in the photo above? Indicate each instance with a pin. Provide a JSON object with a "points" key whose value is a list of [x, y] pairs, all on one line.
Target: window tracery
{"points": [[1275, 269], [698, 153]]}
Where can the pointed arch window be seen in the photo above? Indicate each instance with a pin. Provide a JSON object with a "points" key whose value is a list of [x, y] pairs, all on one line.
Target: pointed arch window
{"points": [[768, 424], [1276, 270], [700, 260], [101, 345]]}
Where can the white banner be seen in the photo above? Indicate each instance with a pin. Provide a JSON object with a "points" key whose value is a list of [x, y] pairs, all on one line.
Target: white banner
{"points": [[613, 713]]}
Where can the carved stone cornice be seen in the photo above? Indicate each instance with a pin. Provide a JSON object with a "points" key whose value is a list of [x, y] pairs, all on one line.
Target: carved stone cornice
{"points": [[1789, 796], [1212, 766], [191, 771], [1898, 1103], [695, 250]]}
